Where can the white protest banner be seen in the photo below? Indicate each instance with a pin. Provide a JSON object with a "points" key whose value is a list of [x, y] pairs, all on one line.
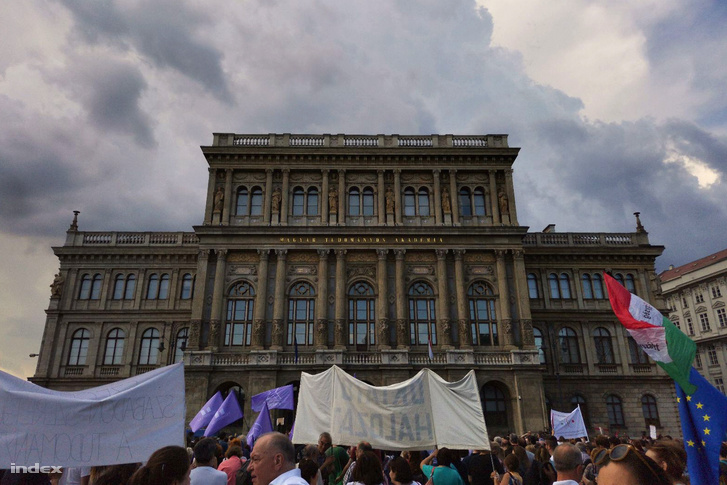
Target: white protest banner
{"points": [[568, 425], [420, 413], [121, 422]]}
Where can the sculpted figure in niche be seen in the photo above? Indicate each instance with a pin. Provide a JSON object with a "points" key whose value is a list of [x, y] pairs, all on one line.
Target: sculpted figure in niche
{"points": [[446, 201], [276, 197], [333, 201], [504, 204], [219, 198], [389, 201], [57, 286]]}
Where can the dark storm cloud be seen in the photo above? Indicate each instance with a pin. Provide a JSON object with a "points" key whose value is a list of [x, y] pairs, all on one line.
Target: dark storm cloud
{"points": [[168, 33]]}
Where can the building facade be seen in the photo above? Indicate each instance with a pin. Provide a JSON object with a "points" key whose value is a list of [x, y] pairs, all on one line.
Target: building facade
{"points": [[357, 251], [695, 297]]}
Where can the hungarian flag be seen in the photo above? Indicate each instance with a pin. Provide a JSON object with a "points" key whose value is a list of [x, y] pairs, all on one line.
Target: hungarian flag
{"points": [[654, 333]]}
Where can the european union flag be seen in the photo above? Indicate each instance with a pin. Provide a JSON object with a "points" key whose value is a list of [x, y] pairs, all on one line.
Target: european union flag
{"points": [[704, 426]]}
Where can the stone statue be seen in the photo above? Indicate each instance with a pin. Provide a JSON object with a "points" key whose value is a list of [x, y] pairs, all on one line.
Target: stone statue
{"points": [[504, 203], [57, 286], [389, 201], [446, 201], [333, 201], [276, 198], [219, 198]]}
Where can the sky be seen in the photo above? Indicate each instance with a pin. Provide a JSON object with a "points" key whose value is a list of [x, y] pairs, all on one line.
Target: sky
{"points": [[617, 107]]}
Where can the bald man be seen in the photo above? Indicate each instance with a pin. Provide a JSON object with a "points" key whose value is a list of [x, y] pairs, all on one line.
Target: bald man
{"points": [[272, 461]]}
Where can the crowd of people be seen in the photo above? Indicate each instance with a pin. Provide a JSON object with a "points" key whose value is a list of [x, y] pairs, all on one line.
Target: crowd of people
{"points": [[531, 459]]}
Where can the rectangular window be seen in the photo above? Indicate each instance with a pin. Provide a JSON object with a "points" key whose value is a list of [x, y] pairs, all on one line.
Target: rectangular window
{"points": [[704, 322], [684, 303], [690, 327], [699, 298], [722, 317], [719, 384], [712, 354], [716, 292], [698, 360]]}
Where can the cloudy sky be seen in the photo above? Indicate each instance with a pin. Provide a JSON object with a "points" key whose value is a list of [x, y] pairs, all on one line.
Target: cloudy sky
{"points": [[618, 106]]}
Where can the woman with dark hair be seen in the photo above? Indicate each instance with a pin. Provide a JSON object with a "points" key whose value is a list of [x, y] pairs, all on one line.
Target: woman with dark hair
{"points": [[368, 470], [116, 474], [308, 471], [400, 472], [444, 473], [671, 457], [166, 466], [512, 475], [625, 465], [414, 458]]}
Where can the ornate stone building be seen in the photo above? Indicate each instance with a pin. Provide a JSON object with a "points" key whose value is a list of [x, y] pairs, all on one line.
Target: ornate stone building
{"points": [[356, 251], [695, 296]]}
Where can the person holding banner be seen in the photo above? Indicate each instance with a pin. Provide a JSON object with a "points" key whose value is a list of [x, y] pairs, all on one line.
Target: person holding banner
{"points": [[444, 473]]}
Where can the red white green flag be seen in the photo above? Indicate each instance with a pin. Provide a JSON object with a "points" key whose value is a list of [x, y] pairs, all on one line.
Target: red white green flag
{"points": [[654, 333]]}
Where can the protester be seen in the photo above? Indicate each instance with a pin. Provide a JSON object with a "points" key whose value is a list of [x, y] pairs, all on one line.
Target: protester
{"points": [[444, 473], [624, 465], [272, 461], [205, 458], [414, 458], [310, 452], [166, 466], [512, 475], [362, 447], [233, 461], [480, 465], [309, 471], [568, 463], [116, 474], [400, 472], [671, 457], [368, 470], [335, 459]]}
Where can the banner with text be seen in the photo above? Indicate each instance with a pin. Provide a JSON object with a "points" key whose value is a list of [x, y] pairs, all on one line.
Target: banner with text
{"points": [[121, 422], [568, 425], [420, 413]]}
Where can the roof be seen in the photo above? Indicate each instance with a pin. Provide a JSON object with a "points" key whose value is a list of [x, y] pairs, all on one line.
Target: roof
{"points": [[672, 274]]}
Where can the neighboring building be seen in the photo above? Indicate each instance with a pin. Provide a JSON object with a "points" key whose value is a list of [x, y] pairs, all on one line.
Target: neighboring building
{"points": [[695, 296], [354, 250]]}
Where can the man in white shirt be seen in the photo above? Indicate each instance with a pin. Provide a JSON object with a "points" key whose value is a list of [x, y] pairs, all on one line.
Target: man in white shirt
{"points": [[206, 472], [568, 464], [272, 461]]}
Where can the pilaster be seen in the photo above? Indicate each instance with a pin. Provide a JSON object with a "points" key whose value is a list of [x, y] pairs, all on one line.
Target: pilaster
{"points": [[339, 331], [382, 303], [261, 304], [218, 299], [444, 328], [279, 303], [285, 197], [402, 333], [465, 339], [437, 198], [321, 326], [454, 196]]}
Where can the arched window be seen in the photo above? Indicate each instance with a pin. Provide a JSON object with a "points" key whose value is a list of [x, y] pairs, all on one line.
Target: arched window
{"points": [[651, 412], [79, 347], [180, 344], [256, 202], [615, 411], [494, 405], [130, 287], [587, 287], [564, 283], [301, 314], [114, 347], [243, 202], [553, 284], [628, 281], [482, 314], [187, 287], [592, 286], [361, 316], [124, 287], [598, 292], [568, 341], [368, 201], [637, 354], [84, 293], [423, 201], [422, 317], [298, 201], [579, 400], [604, 346], [465, 202], [240, 305], [312, 202], [149, 350], [119, 282], [158, 287], [409, 202], [533, 286], [539, 344], [479, 201], [354, 201], [91, 287], [164, 287]]}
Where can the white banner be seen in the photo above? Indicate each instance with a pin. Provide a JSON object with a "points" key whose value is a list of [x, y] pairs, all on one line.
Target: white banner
{"points": [[420, 413], [121, 422], [568, 425]]}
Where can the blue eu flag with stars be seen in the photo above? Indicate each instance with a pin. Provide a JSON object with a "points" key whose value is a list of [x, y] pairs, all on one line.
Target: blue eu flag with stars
{"points": [[704, 426]]}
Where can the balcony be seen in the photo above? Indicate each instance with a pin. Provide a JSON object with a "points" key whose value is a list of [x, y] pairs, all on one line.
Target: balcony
{"points": [[287, 140], [132, 239]]}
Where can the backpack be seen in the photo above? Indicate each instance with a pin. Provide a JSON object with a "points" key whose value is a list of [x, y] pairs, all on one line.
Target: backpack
{"points": [[242, 476]]}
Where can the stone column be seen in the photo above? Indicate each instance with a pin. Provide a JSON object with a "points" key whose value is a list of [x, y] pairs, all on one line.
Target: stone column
{"points": [[227, 206], [381, 209], [505, 329], [321, 334], [444, 328], [402, 332], [510, 190], [218, 299], [341, 197], [494, 206], [285, 196], [324, 197], [261, 301], [268, 195], [210, 196], [397, 197], [340, 333], [522, 298], [280, 300], [382, 302], [437, 198], [465, 337], [454, 196]]}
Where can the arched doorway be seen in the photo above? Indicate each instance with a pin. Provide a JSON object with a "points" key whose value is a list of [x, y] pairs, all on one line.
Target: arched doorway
{"points": [[496, 407]]}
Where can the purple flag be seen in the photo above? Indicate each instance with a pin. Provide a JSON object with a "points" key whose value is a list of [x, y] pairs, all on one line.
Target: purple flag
{"points": [[278, 398], [228, 413], [204, 416], [262, 425]]}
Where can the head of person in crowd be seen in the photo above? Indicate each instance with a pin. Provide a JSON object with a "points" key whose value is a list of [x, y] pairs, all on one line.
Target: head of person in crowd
{"points": [[205, 453], [233, 450], [324, 442], [368, 469], [445, 457], [624, 465], [522, 457], [568, 462], [310, 452], [166, 466], [414, 458], [602, 441], [400, 471], [613, 441], [362, 447], [272, 455], [512, 464], [308, 470], [671, 457], [541, 454], [116, 474], [550, 444]]}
